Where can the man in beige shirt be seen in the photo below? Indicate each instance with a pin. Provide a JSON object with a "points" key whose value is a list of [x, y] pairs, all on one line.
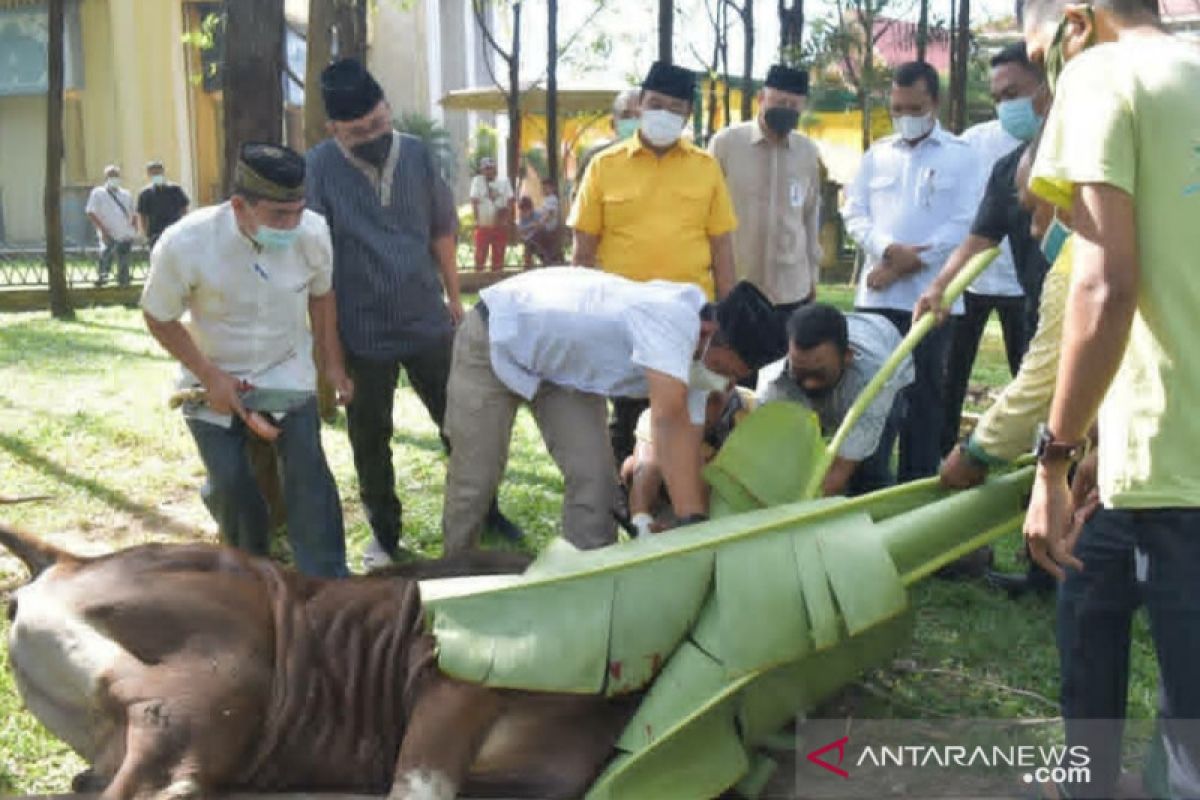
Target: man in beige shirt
{"points": [[773, 174]]}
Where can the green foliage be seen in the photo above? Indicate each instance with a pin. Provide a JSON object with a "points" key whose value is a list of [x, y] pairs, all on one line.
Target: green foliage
{"points": [[483, 145], [436, 138], [536, 157]]}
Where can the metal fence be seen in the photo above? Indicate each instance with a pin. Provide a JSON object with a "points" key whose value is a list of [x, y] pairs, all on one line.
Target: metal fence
{"points": [[25, 267]]}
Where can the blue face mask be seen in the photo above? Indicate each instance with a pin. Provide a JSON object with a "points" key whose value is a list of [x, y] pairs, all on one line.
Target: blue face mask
{"points": [[275, 238], [1018, 118], [1054, 239], [627, 127]]}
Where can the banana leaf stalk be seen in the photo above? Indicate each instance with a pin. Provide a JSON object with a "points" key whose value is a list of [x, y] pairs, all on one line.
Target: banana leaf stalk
{"points": [[973, 269]]}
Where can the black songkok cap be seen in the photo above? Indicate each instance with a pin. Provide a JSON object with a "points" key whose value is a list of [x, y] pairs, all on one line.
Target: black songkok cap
{"points": [[749, 324], [349, 90], [269, 171], [786, 79], [670, 80]]}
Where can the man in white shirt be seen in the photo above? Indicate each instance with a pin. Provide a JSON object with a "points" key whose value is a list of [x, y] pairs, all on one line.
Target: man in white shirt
{"points": [[565, 338], [251, 274], [908, 208], [491, 202], [112, 212]]}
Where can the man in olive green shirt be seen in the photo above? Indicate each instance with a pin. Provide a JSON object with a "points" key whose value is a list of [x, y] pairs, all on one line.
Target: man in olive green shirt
{"points": [[1121, 149]]}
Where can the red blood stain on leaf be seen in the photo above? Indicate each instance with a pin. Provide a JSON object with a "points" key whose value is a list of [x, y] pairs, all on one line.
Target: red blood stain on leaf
{"points": [[614, 669]]}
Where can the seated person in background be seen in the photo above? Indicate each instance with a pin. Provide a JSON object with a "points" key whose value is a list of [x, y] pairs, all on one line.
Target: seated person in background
{"points": [[649, 504], [527, 225], [831, 358]]}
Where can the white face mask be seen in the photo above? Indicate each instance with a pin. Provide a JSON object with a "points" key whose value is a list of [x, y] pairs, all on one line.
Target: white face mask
{"points": [[912, 128], [113, 183], [661, 128], [703, 379]]}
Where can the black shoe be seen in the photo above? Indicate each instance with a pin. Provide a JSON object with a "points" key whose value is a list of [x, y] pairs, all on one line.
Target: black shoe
{"points": [[1018, 585], [973, 565], [503, 526]]}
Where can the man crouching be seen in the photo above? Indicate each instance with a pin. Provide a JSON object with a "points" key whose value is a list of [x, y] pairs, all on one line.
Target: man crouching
{"points": [[564, 339]]}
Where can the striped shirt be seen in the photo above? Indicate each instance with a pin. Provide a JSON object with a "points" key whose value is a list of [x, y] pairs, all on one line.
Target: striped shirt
{"points": [[389, 292]]}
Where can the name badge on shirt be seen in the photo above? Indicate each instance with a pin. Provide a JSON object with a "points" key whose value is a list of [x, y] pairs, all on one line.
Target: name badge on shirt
{"points": [[796, 194]]}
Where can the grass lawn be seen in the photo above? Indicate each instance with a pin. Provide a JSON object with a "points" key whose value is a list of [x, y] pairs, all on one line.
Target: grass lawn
{"points": [[83, 419]]}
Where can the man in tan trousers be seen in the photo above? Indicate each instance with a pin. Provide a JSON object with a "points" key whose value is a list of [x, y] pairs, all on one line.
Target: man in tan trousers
{"points": [[563, 339]]}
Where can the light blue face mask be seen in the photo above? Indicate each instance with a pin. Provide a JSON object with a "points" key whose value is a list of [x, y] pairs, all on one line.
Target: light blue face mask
{"points": [[275, 238], [1055, 237], [627, 127], [1018, 118]]}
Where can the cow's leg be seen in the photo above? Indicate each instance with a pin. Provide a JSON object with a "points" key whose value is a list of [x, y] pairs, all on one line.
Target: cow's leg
{"points": [[448, 724], [152, 743]]}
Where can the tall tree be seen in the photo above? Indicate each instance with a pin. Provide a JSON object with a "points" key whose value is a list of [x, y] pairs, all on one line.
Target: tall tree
{"points": [[666, 30], [960, 67], [60, 299], [552, 91], [923, 30], [745, 13], [848, 41], [511, 57], [791, 31], [350, 29], [319, 52], [252, 71]]}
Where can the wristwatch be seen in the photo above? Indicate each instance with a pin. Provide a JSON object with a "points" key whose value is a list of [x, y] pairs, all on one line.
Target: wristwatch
{"points": [[1049, 450]]}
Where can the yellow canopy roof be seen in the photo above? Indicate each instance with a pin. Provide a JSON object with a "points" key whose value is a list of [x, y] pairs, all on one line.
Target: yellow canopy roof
{"points": [[575, 100]]}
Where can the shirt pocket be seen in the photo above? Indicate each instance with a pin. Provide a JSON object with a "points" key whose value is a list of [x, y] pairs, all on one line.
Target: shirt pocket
{"points": [[691, 203], [620, 208]]}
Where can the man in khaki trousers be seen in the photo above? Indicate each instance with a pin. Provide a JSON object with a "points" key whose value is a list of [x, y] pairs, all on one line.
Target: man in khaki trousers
{"points": [[565, 338]]}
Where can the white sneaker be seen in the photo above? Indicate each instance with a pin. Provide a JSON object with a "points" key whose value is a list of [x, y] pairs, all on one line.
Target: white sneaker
{"points": [[374, 556]]}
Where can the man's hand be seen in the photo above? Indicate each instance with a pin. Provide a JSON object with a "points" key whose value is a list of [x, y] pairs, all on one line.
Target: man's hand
{"points": [[224, 392], [882, 277], [455, 307], [959, 471], [930, 302], [1085, 494], [1048, 530], [343, 386], [905, 258]]}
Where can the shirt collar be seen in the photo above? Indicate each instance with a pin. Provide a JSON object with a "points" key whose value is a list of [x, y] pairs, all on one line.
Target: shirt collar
{"points": [[634, 145], [758, 136], [237, 233]]}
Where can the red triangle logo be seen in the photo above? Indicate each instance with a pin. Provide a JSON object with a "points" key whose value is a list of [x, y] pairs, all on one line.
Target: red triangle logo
{"points": [[840, 746]]}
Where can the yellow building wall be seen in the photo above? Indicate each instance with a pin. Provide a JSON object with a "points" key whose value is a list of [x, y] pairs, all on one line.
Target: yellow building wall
{"points": [[22, 166]]}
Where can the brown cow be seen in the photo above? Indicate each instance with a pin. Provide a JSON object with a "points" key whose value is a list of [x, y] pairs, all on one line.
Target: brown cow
{"points": [[180, 670]]}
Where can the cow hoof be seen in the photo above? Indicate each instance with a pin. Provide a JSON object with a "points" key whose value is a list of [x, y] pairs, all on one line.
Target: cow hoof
{"points": [[420, 784], [88, 782], [182, 789]]}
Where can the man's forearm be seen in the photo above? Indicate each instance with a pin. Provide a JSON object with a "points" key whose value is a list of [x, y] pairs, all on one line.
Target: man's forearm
{"points": [[99, 226], [721, 248], [445, 250], [176, 340], [677, 446], [838, 476], [971, 246], [322, 311], [584, 251]]}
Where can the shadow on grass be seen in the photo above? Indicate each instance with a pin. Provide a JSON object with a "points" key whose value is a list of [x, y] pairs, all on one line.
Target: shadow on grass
{"points": [[105, 494], [105, 326], [64, 348], [432, 444]]}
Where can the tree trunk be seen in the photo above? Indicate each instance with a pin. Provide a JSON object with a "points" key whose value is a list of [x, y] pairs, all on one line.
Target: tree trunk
{"points": [[253, 100], [923, 30], [552, 91], [60, 299], [319, 54], [253, 69], [958, 89], [747, 59], [350, 22], [723, 40], [514, 102], [666, 30], [868, 81], [791, 31]]}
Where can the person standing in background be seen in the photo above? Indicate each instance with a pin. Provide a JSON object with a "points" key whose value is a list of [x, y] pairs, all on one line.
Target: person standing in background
{"points": [[110, 208]]}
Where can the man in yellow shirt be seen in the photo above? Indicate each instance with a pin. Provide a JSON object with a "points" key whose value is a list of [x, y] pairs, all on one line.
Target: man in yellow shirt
{"points": [[1121, 149], [655, 207]]}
